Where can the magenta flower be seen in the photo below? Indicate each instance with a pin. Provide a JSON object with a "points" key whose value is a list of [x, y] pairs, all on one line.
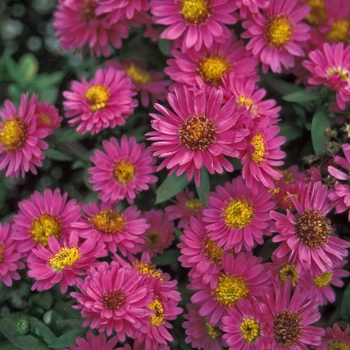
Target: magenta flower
{"points": [[62, 263], [247, 7], [122, 170], [334, 338], [103, 102], [93, 342], [236, 217], [277, 34], [21, 137], [9, 256], [200, 132], [48, 115]]}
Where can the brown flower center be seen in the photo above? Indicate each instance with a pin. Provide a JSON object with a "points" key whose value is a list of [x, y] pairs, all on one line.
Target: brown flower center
{"points": [[113, 300]]}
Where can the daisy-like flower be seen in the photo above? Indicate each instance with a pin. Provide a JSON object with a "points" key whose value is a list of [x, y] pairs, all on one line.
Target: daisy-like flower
{"points": [[117, 229], [307, 236], [48, 115], [290, 317], [93, 342], [76, 24], [201, 334], [62, 263], [277, 34], [160, 233], [9, 256], [103, 102], [262, 154], [330, 66], [21, 137], [236, 217], [335, 338], [114, 298], [42, 216], [151, 84], [200, 132], [122, 170], [242, 277], [194, 23], [245, 327], [251, 6]]}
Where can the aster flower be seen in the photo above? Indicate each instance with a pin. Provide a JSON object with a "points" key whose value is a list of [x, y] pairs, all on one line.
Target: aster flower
{"points": [[103, 102], [307, 236], [113, 298], [48, 115], [201, 334], [93, 342], [62, 263], [330, 66], [236, 217], [289, 319], [277, 34], [193, 24], [200, 132], [21, 137], [42, 216], [245, 327], [9, 256], [251, 6], [122, 170], [335, 338], [242, 277]]}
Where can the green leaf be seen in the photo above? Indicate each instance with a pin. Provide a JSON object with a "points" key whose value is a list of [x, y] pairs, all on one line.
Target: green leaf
{"points": [[169, 257], [204, 189], [68, 339], [290, 131], [280, 86], [50, 95], [54, 154], [13, 71], [8, 346], [345, 305], [320, 122], [43, 299], [28, 67], [171, 186], [70, 135], [178, 234], [302, 96], [164, 46]]}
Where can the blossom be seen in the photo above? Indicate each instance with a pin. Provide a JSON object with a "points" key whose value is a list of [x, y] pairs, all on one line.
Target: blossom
{"points": [[93, 342], [9, 256], [21, 137], [277, 34], [48, 115], [251, 6], [334, 338], [113, 298], [236, 217], [62, 263], [199, 132], [122, 170], [330, 66], [103, 102], [42, 216]]}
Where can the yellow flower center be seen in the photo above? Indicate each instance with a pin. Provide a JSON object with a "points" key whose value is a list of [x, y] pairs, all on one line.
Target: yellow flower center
{"points": [[212, 68], [138, 75], [238, 213], [323, 280], [153, 239], [288, 176], [211, 251], [278, 31], [2, 248], [338, 345], [65, 257], [87, 10], [124, 171], [45, 118], [113, 300], [288, 271], [13, 134], [194, 204], [109, 221], [344, 74], [157, 319], [339, 31], [230, 289], [197, 133], [211, 331], [98, 95], [260, 153], [148, 269], [317, 13], [44, 226], [195, 11], [249, 105], [250, 330]]}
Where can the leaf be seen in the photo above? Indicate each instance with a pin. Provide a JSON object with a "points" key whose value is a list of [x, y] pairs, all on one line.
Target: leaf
{"points": [[178, 234], [345, 305], [169, 257], [28, 67], [68, 339], [164, 46], [8, 346], [204, 189], [290, 131], [13, 72], [54, 154], [302, 96], [70, 135], [43, 299], [280, 86], [50, 95], [171, 186], [320, 122]]}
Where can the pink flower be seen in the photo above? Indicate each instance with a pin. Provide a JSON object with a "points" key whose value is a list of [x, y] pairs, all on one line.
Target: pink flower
{"points": [[200, 132], [122, 170], [193, 24], [117, 229], [42, 216], [330, 66], [21, 137], [62, 263], [113, 298], [236, 217], [247, 7], [9, 256], [277, 34], [103, 102], [335, 337], [48, 115], [94, 342]]}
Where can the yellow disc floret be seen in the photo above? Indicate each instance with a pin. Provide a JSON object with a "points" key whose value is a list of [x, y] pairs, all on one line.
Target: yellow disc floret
{"points": [[323, 280], [250, 330], [109, 221], [212, 68], [260, 153], [44, 226], [98, 95], [288, 272], [211, 331], [339, 31], [153, 239], [318, 13], [13, 134], [238, 213], [157, 319], [194, 204], [64, 258], [195, 11], [124, 171], [138, 75], [278, 30]]}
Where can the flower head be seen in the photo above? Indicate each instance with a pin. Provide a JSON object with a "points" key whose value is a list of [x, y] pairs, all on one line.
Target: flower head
{"points": [[335, 338], [48, 115], [93, 342]]}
